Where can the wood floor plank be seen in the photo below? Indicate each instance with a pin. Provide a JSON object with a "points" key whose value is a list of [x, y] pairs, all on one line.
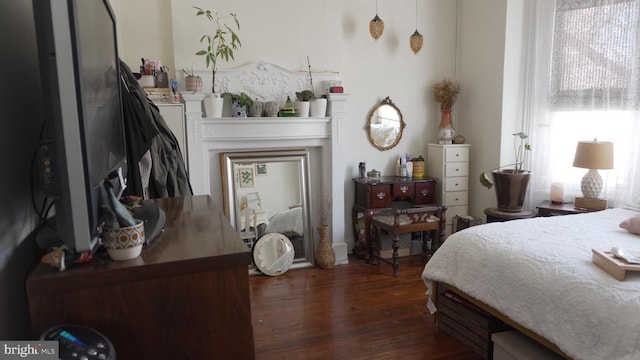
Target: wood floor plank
{"points": [[354, 311]]}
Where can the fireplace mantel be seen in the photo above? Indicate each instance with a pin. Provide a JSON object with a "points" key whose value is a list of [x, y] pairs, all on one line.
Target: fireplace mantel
{"points": [[208, 137]]}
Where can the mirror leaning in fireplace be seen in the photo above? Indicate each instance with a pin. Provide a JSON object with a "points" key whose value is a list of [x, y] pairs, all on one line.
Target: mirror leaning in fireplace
{"points": [[268, 192]]}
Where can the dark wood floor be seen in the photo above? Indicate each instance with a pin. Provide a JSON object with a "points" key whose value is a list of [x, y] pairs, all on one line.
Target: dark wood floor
{"points": [[354, 311]]}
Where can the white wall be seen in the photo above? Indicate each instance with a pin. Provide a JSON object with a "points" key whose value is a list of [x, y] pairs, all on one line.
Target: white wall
{"points": [[490, 37], [465, 40]]}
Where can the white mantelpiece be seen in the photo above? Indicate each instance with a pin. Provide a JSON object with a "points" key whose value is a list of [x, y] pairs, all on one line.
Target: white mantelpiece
{"points": [[207, 138]]}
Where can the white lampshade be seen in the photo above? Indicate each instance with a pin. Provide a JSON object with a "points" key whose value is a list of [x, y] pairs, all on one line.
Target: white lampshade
{"points": [[593, 155]]}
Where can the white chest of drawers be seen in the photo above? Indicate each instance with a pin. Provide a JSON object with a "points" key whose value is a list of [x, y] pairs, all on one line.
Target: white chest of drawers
{"points": [[450, 164]]}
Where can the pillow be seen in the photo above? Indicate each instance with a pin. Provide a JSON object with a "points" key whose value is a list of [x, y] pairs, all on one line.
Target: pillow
{"points": [[632, 224]]}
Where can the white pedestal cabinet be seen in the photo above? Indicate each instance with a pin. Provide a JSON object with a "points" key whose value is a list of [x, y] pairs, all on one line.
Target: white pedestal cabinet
{"points": [[450, 164]]}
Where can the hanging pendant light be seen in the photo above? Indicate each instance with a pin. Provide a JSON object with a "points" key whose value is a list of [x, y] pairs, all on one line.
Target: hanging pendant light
{"points": [[376, 25], [416, 40]]}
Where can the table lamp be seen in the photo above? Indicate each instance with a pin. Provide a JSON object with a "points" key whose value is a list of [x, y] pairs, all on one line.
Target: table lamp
{"points": [[592, 155]]}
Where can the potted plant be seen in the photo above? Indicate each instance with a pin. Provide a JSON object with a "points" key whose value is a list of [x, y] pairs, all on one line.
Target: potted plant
{"points": [[302, 103], [511, 184], [445, 92], [192, 82], [218, 46], [240, 103]]}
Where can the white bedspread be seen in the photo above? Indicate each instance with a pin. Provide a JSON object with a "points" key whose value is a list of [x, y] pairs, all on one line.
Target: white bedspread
{"points": [[539, 273], [287, 221]]}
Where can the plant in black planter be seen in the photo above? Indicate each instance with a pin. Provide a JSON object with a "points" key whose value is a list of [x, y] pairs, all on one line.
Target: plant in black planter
{"points": [[511, 184]]}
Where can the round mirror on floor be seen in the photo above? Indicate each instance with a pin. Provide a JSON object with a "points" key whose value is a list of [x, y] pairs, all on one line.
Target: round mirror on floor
{"points": [[385, 125], [273, 254]]}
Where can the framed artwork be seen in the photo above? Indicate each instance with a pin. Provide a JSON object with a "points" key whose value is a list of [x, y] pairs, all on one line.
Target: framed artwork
{"points": [[261, 169], [246, 176]]}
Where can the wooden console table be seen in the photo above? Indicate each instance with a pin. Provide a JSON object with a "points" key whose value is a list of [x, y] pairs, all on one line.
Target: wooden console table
{"points": [[375, 195], [186, 296]]}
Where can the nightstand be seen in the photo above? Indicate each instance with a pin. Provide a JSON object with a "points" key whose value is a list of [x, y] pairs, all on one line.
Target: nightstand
{"points": [[547, 208], [495, 215]]}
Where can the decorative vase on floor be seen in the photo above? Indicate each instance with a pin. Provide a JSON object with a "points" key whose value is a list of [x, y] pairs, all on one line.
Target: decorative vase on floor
{"points": [[325, 257], [446, 133]]}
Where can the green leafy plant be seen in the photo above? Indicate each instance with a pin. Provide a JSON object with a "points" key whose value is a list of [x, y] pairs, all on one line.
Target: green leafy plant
{"points": [[242, 98], [304, 95], [220, 45], [521, 148]]}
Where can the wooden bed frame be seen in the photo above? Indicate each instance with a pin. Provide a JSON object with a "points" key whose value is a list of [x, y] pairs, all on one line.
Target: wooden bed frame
{"points": [[439, 287]]}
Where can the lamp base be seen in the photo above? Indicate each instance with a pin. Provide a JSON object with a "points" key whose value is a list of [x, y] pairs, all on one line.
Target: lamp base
{"points": [[590, 203]]}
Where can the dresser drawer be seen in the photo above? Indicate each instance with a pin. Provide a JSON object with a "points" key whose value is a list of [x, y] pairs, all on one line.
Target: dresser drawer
{"points": [[456, 154], [456, 169], [380, 195], [455, 198], [404, 189], [459, 183], [425, 193]]}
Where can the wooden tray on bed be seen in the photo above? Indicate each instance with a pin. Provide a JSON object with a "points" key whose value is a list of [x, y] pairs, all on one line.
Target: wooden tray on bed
{"points": [[615, 267]]}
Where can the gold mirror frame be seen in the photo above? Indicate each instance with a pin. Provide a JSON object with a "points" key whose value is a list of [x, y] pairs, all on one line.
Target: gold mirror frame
{"points": [[385, 125]]}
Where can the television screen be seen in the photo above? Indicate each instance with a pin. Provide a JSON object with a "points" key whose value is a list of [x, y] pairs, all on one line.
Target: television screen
{"points": [[83, 139]]}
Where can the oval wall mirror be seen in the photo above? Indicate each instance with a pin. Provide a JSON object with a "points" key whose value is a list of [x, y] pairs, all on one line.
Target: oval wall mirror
{"points": [[385, 125]]}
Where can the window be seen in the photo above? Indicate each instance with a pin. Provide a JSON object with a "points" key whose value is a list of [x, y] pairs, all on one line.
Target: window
{"points": [[584, 84], [594, 55]]}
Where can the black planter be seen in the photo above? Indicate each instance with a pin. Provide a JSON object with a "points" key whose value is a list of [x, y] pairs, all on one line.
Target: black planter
{"points": [[511, 188]]}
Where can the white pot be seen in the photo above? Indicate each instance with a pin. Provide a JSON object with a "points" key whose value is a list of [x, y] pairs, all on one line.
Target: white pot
{"points": [[318, 107], [213, 105], [302, 108]]}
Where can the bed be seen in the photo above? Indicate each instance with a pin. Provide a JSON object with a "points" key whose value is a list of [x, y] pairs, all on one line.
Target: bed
{"points": [[290, 223], [538, 275]]}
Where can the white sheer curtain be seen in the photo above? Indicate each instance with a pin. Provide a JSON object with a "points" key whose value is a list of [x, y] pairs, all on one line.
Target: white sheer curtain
{"points": [[583, 82]]}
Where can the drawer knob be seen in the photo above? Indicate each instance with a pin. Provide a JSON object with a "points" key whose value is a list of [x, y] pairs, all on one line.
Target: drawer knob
{"points": [[457, 154], [457, 170], [424, 192], [381, 195], [404, 188]]}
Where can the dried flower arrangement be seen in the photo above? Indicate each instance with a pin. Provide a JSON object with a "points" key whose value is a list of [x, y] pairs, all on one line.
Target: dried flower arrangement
{"points": [[445, 92]]}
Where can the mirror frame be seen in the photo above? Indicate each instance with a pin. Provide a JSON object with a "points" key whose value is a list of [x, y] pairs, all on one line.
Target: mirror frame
{"points": [[231, 201], [385, 101]]}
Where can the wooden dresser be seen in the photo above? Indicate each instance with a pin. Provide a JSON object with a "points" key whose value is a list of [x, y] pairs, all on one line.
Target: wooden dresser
{"points": [[186, 296], [375, 195], [450, 164]]}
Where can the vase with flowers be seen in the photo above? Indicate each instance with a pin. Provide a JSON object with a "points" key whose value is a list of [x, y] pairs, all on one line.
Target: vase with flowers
{"points": [[445, 92]]}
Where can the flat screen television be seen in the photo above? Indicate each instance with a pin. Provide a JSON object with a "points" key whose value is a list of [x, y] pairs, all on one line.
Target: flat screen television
{"points": [[83, 138]]}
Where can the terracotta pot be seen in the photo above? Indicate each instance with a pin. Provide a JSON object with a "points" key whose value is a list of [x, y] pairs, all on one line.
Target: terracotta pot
{"points": [[325, 257], [511, 188]]}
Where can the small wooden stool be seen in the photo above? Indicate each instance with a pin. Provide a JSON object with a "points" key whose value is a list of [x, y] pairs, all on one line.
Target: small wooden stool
{"points": [[419, 219]]}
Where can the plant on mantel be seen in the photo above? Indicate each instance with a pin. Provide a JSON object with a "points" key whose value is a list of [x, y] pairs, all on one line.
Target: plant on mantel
{"points": [[222, 44]]}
